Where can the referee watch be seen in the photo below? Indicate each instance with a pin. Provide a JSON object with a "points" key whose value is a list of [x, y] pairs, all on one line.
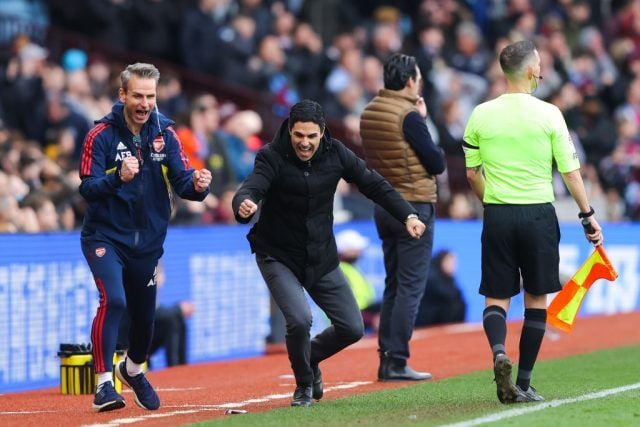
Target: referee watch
{"points": [[583, 215]]}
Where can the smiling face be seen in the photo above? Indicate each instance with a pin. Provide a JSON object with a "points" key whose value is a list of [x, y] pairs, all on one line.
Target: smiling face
{"points": [[305, 139], [139, 100]]}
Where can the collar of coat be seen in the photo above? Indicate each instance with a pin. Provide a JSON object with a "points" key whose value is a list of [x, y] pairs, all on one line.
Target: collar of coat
{"points": [[388, 93]]}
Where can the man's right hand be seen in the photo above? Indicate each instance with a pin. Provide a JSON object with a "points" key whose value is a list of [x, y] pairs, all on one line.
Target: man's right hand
{"points": [[247, 208], [129, 168]]}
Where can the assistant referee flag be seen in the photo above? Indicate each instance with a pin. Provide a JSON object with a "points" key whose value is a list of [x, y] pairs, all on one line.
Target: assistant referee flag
{"points": [[563, 310]]}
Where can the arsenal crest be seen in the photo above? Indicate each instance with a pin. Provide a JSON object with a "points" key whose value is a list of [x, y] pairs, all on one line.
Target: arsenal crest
{"points": [[100, 252], [158, 143]]}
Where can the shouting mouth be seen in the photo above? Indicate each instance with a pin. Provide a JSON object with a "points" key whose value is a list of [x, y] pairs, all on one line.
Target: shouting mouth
{"points": [[141, 115]]}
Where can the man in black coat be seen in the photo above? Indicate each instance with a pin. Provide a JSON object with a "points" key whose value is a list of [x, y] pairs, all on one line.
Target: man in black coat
{"points": [[295, 178]]}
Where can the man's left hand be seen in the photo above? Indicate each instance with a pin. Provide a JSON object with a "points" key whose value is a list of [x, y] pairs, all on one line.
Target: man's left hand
{"points": [[201, 180], [415, 227]]}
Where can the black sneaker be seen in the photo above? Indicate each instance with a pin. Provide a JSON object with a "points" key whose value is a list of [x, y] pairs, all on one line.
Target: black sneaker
{"points": [[107, 398], [303, 396], [146, 396], [505, 388], [318, 390], [528, 395]]}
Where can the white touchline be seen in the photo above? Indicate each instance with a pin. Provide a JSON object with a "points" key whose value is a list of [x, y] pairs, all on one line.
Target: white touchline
{"points": [[541, 406], [202, 408]]}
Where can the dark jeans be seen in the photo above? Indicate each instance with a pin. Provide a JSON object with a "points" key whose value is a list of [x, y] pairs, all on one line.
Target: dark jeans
{"points": [[406, 262], [333, 295]]}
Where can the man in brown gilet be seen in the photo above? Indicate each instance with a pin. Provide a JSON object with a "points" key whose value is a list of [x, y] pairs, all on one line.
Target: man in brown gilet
{"points": [[398, 145]]}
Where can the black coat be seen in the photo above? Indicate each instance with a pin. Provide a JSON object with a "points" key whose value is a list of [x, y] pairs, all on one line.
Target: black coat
{"points": [[296, 216]]}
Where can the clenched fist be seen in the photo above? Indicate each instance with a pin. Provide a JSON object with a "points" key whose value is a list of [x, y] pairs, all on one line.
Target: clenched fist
{"points": [[415, 227], [201, 180], [247, 208], [129, 168]]}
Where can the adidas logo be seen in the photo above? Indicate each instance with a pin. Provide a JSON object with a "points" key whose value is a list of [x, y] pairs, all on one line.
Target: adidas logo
{"points": [[121, 146]]}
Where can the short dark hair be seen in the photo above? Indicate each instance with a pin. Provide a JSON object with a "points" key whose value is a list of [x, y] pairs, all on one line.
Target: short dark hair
{"points": [[397, 71], [307, 111], [514, 56]]}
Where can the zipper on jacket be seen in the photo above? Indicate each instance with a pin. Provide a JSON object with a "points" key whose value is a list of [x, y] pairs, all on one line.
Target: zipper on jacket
{"points": [[136, 238]]}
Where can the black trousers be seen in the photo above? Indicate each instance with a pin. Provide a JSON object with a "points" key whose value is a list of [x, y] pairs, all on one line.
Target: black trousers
{"points": [[333, 295], [406, 262]]}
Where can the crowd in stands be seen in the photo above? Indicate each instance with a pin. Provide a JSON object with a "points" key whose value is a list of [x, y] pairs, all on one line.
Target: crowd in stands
{"points": [[331, 51]]}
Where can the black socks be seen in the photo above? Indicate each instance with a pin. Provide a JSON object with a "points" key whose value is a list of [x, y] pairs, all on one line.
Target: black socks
{"points": [[494, 321], [535, 322]]}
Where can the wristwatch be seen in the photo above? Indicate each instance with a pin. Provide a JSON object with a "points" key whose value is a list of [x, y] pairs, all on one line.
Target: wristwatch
{"points": [[410, 216]]}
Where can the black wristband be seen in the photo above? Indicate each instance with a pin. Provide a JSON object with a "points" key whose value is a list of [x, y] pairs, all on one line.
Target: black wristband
{"points": [[586, 215]]}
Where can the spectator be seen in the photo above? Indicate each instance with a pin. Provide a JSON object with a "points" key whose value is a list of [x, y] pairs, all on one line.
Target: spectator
{"points": [[109, 21], [45, 210], [200, 44], [21, 90], [597, 47], [259, 12], [61, 116], [470, 55], [305, 61], [171, 99], [240, 41], [156, 24], [242, 141], [8, 212], [351, 245], [267, 73], [442, 301]]}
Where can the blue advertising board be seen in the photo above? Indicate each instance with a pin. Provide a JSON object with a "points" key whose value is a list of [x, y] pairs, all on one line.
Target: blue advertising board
{"points": [[47, 294]]}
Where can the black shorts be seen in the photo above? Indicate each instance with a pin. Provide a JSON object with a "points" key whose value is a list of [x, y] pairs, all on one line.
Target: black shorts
{"points": [[520, 240]]}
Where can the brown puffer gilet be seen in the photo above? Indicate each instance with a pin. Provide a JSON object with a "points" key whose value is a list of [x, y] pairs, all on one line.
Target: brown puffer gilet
{"points": [[387, 151]]}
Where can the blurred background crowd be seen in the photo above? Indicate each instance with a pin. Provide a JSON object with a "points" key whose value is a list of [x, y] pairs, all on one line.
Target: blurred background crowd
{"points": [[232, 68]]}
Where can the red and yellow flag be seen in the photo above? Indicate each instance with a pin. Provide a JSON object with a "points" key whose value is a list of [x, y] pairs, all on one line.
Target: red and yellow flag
{"points": [[563, 310]]}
